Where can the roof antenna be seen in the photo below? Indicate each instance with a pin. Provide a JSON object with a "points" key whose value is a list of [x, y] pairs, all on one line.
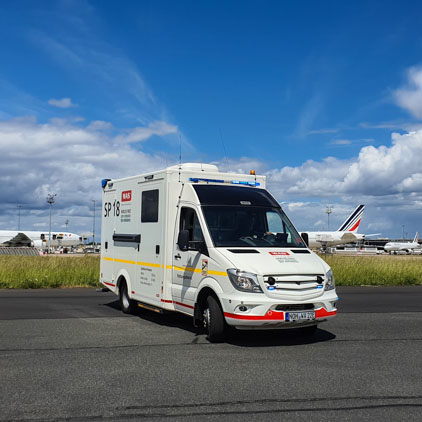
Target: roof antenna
{"points": [[224, 149], [180, 155]]}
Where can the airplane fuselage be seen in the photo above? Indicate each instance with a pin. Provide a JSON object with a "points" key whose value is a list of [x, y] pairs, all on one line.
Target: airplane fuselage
{"points": [[40, 239], [402, 246], [320, 239]]}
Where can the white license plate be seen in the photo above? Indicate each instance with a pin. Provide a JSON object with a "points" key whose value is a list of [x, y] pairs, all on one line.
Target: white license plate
{"points": [[297, 316]]}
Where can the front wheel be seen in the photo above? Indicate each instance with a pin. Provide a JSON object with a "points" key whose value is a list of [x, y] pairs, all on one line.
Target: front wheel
{"points": [[127, 305], [214, 321]]}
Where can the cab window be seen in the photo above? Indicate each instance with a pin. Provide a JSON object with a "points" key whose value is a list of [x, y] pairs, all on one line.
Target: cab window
{"points": [[189, 221]]}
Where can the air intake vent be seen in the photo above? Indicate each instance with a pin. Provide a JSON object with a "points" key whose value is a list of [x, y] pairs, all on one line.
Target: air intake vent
{"points": [[243, 251], [299, 307]]}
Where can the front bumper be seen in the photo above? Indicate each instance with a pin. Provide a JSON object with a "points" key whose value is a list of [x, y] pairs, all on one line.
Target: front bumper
{"points": [[250, 314]]}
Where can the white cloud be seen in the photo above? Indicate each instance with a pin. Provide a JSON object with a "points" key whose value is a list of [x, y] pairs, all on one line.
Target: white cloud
{"points": [[376, 172], [322, 131], [140, 134], [99, 125], [410, 97], [341, 142], [63, 103], [68, 159], [309, 114]]}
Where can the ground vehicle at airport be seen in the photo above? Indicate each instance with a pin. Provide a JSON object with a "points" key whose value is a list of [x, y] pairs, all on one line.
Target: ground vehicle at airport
{"points": [[216, 246]]}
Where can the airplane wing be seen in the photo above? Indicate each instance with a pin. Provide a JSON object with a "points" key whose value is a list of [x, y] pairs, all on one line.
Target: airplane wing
{"points": [[324, 238], [349, 237], [21, 239]]}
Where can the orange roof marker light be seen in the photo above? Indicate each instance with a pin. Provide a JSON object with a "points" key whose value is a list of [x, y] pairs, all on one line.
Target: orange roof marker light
{"points": [[252, 172]]}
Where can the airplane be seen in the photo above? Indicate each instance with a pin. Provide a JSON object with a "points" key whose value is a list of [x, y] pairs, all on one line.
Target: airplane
{"points": [[37, 239], [408, 247], [346, 233]]}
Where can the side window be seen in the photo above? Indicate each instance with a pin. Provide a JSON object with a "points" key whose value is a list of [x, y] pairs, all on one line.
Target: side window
{"points": [[277, 225], [274, 222], [149, 207], [189, 221]]}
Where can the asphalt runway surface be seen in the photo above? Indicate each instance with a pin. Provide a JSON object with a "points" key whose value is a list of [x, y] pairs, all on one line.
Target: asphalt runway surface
{"points": [[71, 355]]}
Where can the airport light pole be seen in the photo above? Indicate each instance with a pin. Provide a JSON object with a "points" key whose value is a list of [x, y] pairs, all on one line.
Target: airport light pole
{"points": [[66, 224], [328, 210], [50, 200], [93, 227], [403, 230], [19, 216]]}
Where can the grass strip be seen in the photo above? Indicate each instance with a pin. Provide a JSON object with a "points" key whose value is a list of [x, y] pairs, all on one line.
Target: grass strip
{"points": [[35, 272], [376, 270]]}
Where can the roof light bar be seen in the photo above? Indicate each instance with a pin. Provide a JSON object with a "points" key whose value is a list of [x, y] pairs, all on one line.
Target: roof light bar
{"points": [[104, 183], [232, 182]]}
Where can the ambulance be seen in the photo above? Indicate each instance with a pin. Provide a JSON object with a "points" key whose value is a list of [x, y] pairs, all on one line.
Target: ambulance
{"points": [[212, 245]]}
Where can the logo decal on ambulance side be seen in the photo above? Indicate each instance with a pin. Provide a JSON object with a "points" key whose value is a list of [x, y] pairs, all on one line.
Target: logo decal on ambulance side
{"points": [[205, 267], [279, 253], [126, 196]]}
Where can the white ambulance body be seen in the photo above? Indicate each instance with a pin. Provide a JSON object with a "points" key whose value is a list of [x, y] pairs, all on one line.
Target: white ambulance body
{"points": [[216, 246]]}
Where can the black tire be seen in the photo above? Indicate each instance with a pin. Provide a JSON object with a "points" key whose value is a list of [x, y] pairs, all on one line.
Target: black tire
{"points": [[214, 321], [309, 331], [127, 305]]}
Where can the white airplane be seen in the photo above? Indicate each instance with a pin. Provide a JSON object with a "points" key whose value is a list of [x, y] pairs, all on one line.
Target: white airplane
{"points": [[346, 233], [408, 247], [38, 240]]}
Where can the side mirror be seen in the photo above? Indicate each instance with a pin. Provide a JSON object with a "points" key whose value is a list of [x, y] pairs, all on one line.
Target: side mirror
{"points": [[305, 238], [183, 240]]}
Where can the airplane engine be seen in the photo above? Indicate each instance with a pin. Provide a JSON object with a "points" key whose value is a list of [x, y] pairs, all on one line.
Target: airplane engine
{"points": [[37, 244]]}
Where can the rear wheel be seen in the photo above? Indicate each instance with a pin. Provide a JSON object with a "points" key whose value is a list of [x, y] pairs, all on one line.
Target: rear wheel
{"points": [[127, 305], [214, 321]]}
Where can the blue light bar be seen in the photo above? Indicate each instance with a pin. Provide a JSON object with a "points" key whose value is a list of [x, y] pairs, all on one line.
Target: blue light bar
{"points": [[104, 182], [233, 182], [196, 180], [246, 183]]}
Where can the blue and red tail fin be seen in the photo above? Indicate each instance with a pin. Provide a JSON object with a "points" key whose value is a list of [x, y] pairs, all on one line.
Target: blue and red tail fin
{"points": [[352, 222]]}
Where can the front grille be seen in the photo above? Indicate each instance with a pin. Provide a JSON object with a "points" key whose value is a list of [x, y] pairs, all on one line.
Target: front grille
{"points": [[291, 308], [295, 284]]}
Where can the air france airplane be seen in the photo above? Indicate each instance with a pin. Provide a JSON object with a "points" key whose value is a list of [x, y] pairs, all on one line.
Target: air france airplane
{"points": [[38, 240], [408, 247], [347, 232]]}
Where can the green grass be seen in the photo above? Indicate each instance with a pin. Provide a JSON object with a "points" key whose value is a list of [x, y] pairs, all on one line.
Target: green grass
{"points": [[376, 270], [34, 272]]}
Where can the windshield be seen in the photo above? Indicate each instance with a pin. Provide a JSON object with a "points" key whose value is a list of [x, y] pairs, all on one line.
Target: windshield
{"points": [[243, 226]]}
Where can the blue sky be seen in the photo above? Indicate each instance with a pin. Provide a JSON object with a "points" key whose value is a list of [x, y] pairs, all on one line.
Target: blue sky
{"points": [[325, 98]]}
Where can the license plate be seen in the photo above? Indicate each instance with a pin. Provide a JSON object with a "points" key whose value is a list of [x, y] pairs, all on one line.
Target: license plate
{"points": [[297, 316]]}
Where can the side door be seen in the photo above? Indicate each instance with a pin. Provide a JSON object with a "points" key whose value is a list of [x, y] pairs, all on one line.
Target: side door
{"points": [[150, 268], [189, 267], [108, 253]]}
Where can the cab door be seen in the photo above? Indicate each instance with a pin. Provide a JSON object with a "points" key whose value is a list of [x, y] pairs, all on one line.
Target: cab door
{"points": [[189, 267]]}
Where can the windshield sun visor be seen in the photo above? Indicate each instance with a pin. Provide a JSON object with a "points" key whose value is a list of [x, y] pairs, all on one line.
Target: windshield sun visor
{"points": [[234, 195]]}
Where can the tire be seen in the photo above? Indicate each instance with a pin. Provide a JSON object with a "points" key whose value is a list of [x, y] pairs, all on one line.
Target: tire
{"points": [[127, 305], [214, 321], [309, 331]]}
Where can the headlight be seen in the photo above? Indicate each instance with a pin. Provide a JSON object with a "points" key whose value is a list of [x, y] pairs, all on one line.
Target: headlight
{"points": [[329, 283], [245, 282]]}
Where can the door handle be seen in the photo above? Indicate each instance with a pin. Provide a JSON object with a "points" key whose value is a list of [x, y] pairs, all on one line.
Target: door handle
{"points": [[177, 256]]}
